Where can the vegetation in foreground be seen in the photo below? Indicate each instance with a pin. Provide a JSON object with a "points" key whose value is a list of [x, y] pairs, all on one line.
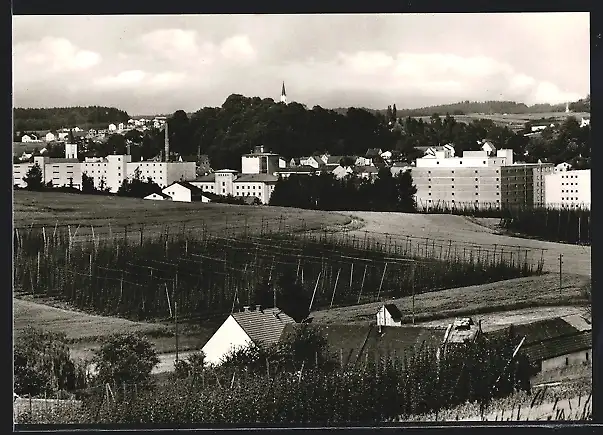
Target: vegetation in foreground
{"points": [[298, 382]]}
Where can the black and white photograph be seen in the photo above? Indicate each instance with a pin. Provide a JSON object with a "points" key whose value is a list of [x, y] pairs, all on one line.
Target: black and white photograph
{"points": [[301, 220]]}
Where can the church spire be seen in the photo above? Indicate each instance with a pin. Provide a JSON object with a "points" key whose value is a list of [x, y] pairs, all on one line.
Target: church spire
{"points": [[283, 95]]}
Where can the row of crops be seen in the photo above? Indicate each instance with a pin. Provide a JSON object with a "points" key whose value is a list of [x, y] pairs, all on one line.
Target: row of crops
{"points": [[143, 275]]}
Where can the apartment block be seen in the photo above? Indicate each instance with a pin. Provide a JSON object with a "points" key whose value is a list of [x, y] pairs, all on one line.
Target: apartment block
{"points": [[568, 189]]}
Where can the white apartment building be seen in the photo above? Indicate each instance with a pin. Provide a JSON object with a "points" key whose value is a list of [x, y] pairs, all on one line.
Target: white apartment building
{"points": [[568, 189], [61, 172]]}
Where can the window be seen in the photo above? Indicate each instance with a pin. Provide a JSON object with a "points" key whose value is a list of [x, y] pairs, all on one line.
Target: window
{"points": [[586, 356], [453, 186], [429, 187], [497, 193], [452, 193], [476, 179], [566, 361], [452, 172], [429, 179], [484, 162], [476, 193], [429, 194], [476, 172], [437, 163], [223, 184], [460, 162], [476, 186]]}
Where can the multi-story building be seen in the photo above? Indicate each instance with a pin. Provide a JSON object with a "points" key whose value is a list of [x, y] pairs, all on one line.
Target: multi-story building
{"points": [[479, 179], [522, 184], [471, 180], [60, 172], [568, 189], [258, 177]]}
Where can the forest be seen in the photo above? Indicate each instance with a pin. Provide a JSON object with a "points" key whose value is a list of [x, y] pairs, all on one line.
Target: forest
{"points": [[26, 119]]}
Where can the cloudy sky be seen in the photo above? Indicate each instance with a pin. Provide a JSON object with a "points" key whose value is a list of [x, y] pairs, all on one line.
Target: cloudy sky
{"points": [[159, 64]]}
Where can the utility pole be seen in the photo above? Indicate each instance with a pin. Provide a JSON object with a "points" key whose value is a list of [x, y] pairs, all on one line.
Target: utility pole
{"points": [[560, 272], [176, 320], [412, 283]]}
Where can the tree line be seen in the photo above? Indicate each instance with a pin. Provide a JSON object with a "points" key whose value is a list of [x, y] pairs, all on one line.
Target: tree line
{"points": [[27, 119], [325, 192]]}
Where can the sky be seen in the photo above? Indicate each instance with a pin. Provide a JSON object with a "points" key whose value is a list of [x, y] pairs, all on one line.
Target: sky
{"points": [[150, 64]]}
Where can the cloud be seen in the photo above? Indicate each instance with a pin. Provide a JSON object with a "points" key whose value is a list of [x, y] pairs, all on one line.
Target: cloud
{"points": [[450, 76], [140, 80], [237, 47], [171, 43], [55, 55]]}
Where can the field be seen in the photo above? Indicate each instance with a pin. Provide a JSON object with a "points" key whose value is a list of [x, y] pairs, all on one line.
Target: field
{"points": [[482, 300], [495, 302], [460, 229], [104, 212], [513, 121]]}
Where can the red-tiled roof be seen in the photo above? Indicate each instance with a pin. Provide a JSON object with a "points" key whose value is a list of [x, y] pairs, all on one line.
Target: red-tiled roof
{"points": [[263, 325]]}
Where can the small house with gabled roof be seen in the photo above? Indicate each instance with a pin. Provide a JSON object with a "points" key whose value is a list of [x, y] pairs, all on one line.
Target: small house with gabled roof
{"points": [[253, 326], [389, 315]]}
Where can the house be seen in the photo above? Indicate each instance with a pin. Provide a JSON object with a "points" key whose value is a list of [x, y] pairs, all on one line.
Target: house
{"points": [[294, 162], [50, 137], [297, 170], [553, 343], [373, 152], [462, 331], [342, 171], [386, 155], [332, 161], [112, 127], [563, 167], [367, 172], [254, 325], [398, 167], [584, 122], [389, 315], [29, 138], [363, 161], [63, 136], [488, 147], [183, 191], [538, 128], [120, 126], [159, 197], [314, 161]]}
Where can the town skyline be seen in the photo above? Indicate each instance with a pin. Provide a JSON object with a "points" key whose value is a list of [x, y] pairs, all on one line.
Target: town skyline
{"points": [[158, 64]]}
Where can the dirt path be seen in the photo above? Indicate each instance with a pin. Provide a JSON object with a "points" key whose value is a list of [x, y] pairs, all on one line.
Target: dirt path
{"points": [[461, 229]]}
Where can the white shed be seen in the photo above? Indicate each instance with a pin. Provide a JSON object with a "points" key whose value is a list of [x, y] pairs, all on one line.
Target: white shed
{"points": [[389, 315], [183, 191], [159, 197]]}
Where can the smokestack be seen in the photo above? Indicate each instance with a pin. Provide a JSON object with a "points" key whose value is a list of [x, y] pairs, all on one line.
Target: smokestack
{"points": [[167, 143]]}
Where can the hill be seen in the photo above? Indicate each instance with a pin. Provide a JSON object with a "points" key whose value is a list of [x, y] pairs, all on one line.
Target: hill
{"points": [[482, 108], [27, 119]]}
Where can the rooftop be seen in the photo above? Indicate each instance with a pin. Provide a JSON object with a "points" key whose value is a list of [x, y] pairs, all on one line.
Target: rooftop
{"points": [[559, 346], [263, 325], [257, 178]]}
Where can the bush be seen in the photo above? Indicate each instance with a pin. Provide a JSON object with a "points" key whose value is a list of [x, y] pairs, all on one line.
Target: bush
{"points": [[125, 358]]}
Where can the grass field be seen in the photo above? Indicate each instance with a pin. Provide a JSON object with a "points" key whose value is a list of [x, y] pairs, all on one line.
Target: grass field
{"points": [[514, 294], [514, 121], [56, 208], [85, 332], [461, 229]]}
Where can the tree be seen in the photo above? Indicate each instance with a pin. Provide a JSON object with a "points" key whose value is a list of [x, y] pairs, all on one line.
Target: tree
{"points": [[138, 188], [305, 345], [43, 363], [34, 178], [87, 184], [405, 192], [126, 358]]}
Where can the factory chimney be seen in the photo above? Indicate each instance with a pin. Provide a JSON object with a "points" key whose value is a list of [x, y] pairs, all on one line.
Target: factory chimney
{"points": [[167, 143]]}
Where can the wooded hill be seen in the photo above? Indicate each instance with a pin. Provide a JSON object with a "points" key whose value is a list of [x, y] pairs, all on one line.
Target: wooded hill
{"points": [[54, 118]]}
